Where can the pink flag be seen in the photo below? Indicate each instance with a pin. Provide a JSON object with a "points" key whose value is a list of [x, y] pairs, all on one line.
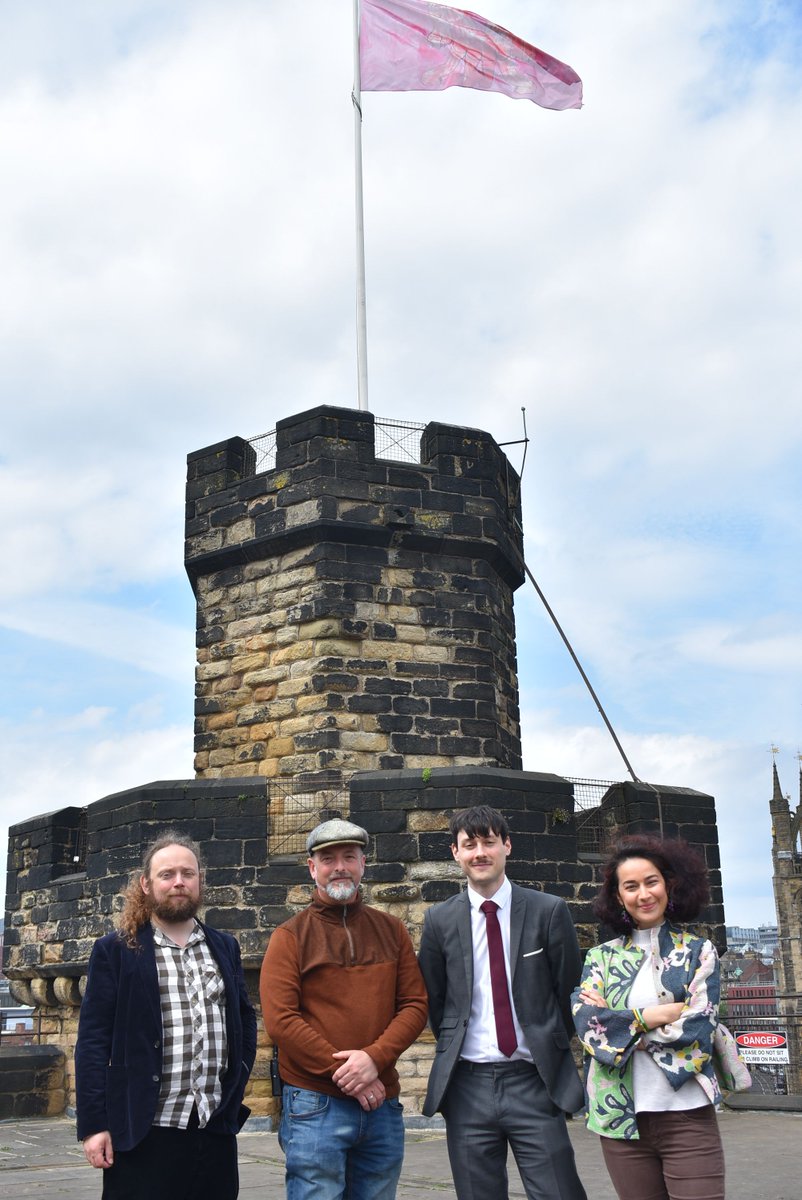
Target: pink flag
{"points": [[420, 46]]}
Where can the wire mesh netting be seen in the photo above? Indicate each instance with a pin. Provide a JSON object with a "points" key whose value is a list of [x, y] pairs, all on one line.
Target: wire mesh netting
{"points": [[599, 813], [296, 806], [396, 441]]}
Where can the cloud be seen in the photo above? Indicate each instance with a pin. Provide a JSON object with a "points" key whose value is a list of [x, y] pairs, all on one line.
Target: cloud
{"points": [[176, 229], [735, 773], [51, 764]]}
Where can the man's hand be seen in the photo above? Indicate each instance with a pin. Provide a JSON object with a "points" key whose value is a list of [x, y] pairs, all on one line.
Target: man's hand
{"points": [[98, 1149], [372, 1096], [358, 1070]]}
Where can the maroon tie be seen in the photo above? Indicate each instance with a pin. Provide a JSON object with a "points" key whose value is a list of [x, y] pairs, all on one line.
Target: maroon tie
{"points": [[505, 1030]]}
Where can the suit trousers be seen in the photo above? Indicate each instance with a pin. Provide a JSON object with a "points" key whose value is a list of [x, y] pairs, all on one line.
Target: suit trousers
{"points": [[677, 1156], [490, 1106]]}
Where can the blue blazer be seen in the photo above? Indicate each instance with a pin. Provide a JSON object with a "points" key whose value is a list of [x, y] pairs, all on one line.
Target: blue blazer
{"points": [[545, 963], [118, 1056]]}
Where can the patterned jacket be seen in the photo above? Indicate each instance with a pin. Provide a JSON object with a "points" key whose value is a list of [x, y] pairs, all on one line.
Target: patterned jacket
{"points": [[685, 968]]}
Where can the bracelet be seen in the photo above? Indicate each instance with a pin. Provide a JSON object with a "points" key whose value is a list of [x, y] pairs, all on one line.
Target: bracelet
{"points": [[639, 1021]]}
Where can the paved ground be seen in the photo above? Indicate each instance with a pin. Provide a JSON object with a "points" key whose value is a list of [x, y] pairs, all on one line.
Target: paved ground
{"points": [[41, 1158]]}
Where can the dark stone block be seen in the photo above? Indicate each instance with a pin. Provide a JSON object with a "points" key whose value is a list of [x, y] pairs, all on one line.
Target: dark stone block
{"points": [[410, 706], [453, 708], [408, 743], [270, 917], [320, 739], [475, 691], [384, 872], [396, 847], [434, 847], [385, 723], [231, 918], [460, 746], [357, 592], [376, 685], [576, 872], [229, 876], [384, 821], [430, 687], [436, 890], [432, 726], [30, 1105], [259, 896], [369, 704], [418, 670], [481, 729], [255, 853], [383, 632], [233, 828], [335, 681]]}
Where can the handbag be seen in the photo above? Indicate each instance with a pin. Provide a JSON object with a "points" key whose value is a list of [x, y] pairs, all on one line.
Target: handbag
{"points": [[732, 1072]]}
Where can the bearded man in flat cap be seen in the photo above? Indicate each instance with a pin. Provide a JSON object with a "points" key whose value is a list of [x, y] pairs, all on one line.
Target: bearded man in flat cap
{"points": [[342, 998]]}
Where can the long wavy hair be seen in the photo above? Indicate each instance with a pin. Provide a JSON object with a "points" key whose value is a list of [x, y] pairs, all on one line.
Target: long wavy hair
{"points": [[138, 905], [683, 869]]}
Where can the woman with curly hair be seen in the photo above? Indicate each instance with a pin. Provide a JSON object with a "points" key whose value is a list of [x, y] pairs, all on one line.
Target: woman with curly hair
{"points": [[645, 1011]]}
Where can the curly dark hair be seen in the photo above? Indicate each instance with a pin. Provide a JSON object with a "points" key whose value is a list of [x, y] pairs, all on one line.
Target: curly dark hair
{"points": [[683, 869]]}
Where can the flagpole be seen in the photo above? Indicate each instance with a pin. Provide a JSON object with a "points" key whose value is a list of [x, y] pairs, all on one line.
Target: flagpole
{"points": [[361, 303]]}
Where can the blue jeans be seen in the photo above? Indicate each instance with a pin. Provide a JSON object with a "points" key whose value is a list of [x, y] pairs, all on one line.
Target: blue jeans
{"points": [[337, 1151]]}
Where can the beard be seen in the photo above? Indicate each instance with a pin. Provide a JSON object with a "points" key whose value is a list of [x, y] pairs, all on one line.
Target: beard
{"points": [[177, 908], [341, 890]]}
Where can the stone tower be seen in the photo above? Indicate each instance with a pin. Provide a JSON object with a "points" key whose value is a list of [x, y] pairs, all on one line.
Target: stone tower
{"points": [[354, 614], [356, 642], [786, 853]]}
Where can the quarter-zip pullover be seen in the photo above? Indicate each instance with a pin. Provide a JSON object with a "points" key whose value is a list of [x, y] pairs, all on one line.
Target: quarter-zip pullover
{"points": [[341, 977]]}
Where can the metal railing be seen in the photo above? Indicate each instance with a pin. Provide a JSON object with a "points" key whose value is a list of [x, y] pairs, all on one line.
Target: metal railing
{"points": [[396, 441]]}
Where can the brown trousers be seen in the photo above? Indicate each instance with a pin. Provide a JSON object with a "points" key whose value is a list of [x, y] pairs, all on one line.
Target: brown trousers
{"points": [[678, 1156]]}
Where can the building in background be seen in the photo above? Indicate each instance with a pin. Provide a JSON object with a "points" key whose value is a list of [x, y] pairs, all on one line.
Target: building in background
{"points": [[786, 855]]}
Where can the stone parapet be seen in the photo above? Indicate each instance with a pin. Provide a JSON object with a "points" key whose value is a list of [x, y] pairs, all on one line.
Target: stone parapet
{"points": [[52, 920], [32, 1082]]}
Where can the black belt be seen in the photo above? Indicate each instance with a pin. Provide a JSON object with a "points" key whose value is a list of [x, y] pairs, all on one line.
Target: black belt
{"points": [[503, 1064]]}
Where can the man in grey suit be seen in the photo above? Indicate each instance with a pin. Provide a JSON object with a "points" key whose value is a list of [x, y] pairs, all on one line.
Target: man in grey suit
{"points": [[500, 962]]}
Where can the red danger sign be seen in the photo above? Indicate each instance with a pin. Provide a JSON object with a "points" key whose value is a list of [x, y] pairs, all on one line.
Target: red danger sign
{"points": [[761, 1041]]}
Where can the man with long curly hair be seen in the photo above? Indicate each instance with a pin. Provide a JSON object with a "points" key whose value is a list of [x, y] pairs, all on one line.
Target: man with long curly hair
{"points": [[166, 1041]]}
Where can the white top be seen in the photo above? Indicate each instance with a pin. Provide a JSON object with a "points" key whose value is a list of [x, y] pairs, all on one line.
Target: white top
{"points": [[481, 1044], [653, 1092]]}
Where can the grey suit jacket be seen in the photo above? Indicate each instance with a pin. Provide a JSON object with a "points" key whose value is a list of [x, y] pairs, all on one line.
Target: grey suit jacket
{"points": [[545, 963]]}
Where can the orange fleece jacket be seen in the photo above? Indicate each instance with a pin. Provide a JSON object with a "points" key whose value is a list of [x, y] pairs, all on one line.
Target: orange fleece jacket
{"points": [[340, 977]]}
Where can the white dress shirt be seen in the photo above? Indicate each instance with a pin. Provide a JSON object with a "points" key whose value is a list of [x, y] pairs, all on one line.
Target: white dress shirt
{"points": [[481, 1044]]}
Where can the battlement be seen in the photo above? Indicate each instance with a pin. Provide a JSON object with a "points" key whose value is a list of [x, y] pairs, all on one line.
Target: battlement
{"points": [[354, 613]]}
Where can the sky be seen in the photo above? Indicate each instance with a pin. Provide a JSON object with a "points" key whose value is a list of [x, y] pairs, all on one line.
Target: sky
{"points": [[177, 248]]}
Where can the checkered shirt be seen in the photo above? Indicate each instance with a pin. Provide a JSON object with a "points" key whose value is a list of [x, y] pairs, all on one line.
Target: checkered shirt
{"points": [[195, 1053]]}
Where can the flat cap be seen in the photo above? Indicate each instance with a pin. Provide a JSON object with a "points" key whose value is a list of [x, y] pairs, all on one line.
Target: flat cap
{"points": [[336, 833]]}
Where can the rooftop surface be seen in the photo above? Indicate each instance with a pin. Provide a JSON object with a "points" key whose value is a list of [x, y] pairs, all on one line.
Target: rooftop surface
{"points": [[42, 1158]]}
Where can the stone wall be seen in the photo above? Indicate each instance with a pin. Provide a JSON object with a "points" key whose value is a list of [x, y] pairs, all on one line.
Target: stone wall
{"points": [[250, 889], [32, 1082], [354, 614]]}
